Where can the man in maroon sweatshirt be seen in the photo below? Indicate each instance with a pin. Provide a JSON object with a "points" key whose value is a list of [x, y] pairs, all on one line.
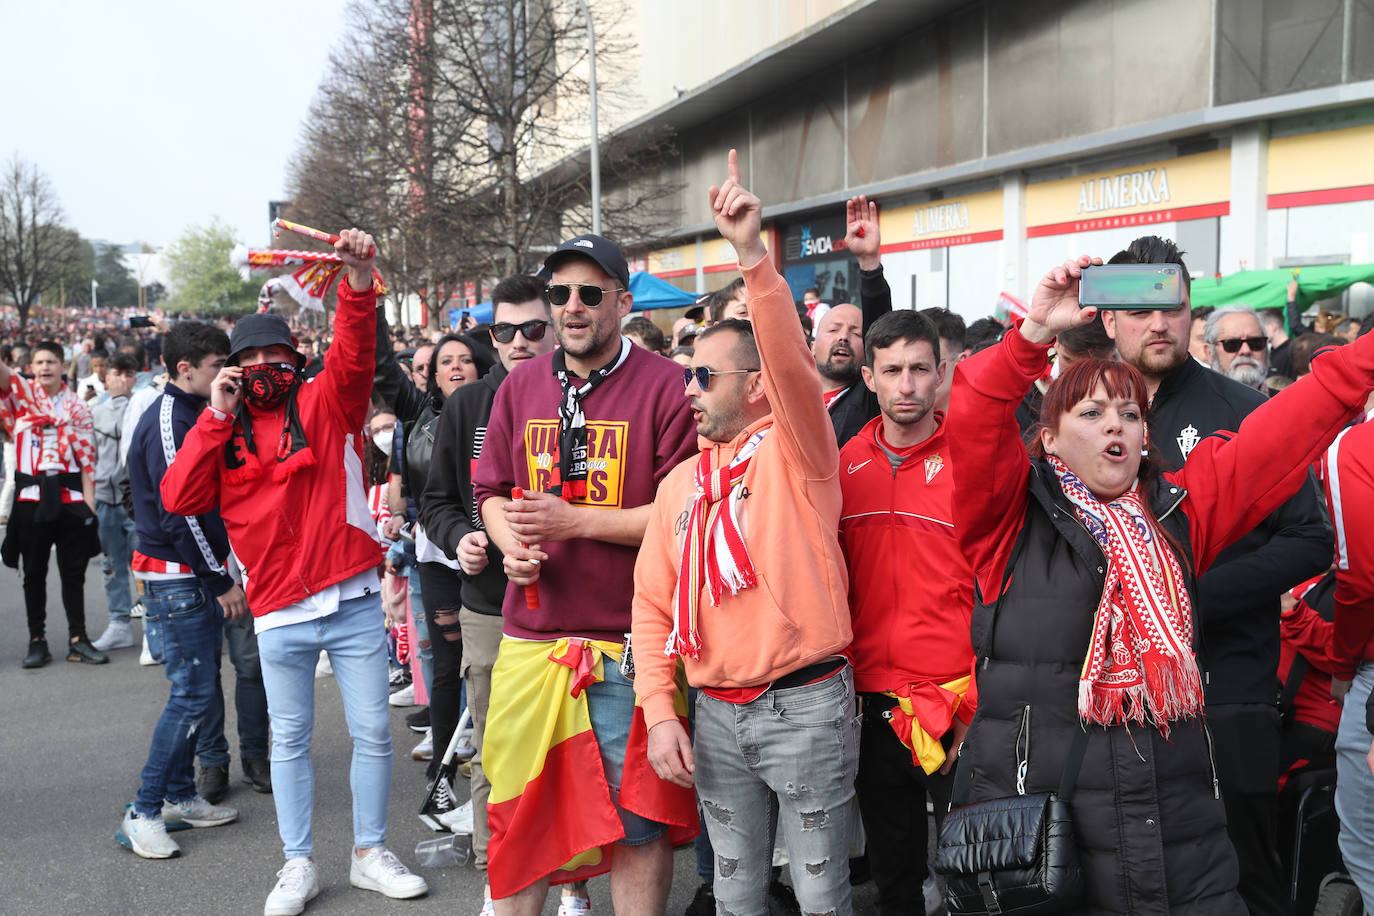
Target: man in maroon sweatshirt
{"points": [[587, 432]]}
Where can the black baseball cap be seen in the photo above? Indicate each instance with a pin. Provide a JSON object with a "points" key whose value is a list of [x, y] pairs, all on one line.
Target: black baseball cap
{"points": [[603, 251], [698, 309], [261, 330]]}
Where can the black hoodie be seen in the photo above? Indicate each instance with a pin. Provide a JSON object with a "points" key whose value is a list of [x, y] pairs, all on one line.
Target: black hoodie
{"points": [[447, 509], [1238, 597]]}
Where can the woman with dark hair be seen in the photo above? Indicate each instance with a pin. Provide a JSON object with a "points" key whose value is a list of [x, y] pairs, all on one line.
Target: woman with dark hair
{"points": [[1086, 559], [457, 360]]}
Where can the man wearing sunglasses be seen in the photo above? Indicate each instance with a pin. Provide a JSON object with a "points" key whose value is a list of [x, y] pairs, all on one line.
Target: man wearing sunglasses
{"points": [[742, 578], [1239, 346], [520, 333], [587, 432], [1238, 598]]}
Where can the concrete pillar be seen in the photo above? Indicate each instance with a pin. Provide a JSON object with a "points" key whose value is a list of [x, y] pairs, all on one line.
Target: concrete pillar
{"points": [[1249, 223], [1015, 279]]}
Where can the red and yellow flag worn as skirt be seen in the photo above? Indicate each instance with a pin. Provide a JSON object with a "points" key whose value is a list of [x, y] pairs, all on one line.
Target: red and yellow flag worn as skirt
{"points": [[550, 810]]}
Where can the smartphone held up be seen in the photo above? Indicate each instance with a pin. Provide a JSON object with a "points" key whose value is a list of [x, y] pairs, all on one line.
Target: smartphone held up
{"points": [[1132, 286]]}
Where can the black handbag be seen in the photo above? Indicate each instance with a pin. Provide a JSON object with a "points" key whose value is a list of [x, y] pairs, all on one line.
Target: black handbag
{"points": [[1015, 854]]}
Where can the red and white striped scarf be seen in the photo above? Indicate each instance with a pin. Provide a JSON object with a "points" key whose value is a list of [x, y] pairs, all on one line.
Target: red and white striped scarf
{"points": [[713, 548], [1140, 665], [61, 423]]}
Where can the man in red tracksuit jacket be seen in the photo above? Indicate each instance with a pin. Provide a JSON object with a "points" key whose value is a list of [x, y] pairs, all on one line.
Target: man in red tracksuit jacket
{"points": [[281, 459], [910, 596]]}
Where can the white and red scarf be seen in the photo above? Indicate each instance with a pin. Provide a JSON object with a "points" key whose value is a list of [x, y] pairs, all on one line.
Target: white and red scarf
{"points": [[1140, 665], [713, 549], [61, 423]]}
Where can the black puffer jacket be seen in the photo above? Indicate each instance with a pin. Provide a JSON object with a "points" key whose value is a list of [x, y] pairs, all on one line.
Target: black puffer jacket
{"points": [[1148, 818]]}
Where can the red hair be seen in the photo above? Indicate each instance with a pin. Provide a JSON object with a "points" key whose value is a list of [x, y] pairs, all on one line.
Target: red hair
{"points": [[1121, 380]]}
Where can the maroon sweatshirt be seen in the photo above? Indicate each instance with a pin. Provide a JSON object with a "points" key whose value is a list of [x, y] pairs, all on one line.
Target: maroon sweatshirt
{"points": [[639, 428]]}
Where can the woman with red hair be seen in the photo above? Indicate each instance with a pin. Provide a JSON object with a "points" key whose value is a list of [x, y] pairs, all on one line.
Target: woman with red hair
{"points": [[1086, 558]]}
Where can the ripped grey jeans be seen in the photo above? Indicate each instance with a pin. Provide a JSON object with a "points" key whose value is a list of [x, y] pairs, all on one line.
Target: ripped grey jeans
{"points": [[786, 760]]}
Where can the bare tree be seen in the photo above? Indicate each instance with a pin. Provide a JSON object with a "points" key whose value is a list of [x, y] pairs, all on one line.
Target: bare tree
{"points": [[452, 128], [35, 249]]}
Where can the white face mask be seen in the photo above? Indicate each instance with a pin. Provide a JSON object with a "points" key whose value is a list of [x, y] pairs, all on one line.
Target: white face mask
{"points": [[383, 440]]}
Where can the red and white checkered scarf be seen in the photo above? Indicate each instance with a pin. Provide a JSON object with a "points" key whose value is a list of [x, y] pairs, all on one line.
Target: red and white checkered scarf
{"points": [[713, 549], [1140, 665]]}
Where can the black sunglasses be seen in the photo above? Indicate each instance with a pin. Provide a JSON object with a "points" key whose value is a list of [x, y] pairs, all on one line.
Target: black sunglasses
{"points": [[1232, 344], [591, 296], [703, 375], [504, 332]]}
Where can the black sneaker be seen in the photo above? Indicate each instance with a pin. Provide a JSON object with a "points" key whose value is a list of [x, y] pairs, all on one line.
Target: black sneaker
{"points": [[781, 900], [418, 721], [704, 903], [83, 651], [439, 801], [258, 773], [213, 784], [38, 655]]}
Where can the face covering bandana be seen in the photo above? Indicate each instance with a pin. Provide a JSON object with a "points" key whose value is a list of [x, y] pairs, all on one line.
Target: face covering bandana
{"points": [[383, 440], [266, 385]]}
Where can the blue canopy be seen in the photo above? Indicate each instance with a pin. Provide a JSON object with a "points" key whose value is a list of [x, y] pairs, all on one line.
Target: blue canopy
{"points": [[481, 313], [652, 293]]}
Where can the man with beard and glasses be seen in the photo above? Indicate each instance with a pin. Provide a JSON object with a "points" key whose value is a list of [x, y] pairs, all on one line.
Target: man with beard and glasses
{"points": [[1238, 598], [283, 462], [1238, 346], [587, 433]]}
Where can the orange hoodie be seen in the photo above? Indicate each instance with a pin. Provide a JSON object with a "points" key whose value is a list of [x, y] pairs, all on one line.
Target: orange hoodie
{"points": [[798, 613]]}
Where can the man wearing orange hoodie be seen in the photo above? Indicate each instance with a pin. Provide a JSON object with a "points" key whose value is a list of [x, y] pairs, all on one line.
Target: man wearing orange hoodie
{"points": [[741, 576], [910, 595]]}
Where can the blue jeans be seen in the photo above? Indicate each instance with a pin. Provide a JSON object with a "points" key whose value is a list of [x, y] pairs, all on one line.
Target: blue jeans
{"points": [[117, 540], [420, 643], [785, 761], [355, 638], [611, 708], [1355, 785], [183, 618], [250, 701]]}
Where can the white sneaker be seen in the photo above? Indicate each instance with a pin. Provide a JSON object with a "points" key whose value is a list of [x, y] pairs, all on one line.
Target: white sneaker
{"points": [[148, 837], [297, 884], [118, 635], [403, 697], [145, 657], [574, 906], [323, 668], [459, 820], [488, 908], [198, 813], [425, 749], [382, 872]]}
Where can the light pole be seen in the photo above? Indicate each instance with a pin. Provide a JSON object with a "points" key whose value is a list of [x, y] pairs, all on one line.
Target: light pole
{"points": [[94, 285], [595, 149]]}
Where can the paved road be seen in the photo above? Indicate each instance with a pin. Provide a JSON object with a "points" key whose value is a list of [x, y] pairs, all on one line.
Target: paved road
{"points": [[72, 741]]}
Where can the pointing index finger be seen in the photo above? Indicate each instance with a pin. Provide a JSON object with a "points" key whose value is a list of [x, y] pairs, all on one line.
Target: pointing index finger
{"points": [[734, 166]]}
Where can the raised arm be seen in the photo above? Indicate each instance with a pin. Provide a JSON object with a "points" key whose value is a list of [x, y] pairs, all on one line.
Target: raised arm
{"points": [[348, 363], [789, 369], [1235, 482], [863, 237]]}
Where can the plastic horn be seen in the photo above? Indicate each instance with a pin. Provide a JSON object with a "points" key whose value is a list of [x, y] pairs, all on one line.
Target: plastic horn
{"points": [[306, 231], [531, 591]]}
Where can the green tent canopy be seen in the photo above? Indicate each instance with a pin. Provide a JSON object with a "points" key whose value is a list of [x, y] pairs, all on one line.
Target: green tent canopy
{"points": [[1268, 289]]}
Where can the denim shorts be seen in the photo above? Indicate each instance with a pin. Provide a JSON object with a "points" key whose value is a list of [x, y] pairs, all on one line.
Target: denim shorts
{"points": [[611, 707]]}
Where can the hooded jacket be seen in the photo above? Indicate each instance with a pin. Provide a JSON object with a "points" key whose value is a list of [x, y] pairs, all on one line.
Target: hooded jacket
{"points": [[447, 508], [301, 526], [798, 613], [1148, 819]]}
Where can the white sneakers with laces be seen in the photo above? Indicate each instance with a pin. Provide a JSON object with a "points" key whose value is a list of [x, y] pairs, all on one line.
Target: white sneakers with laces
{"points": [[118, 635], [382, 872], [148, 837], [198, 813], [573, 905], [459, 820], [297, 884]]}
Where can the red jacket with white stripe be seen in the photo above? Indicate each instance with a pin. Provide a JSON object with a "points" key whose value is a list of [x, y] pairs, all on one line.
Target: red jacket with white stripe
{"points": [[1349, 485], [301, 529], [910, 589]]}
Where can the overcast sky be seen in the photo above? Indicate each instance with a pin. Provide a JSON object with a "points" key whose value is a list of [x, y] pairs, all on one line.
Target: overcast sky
{"points": [[151, 116]]}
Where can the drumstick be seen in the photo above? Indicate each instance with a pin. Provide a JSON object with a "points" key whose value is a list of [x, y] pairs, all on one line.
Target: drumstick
{"points": [[531, 591], [326, 237]]}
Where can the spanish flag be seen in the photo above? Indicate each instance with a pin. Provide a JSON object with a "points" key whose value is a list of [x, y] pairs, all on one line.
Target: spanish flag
{"points": [[550, 810], [924, 712]]}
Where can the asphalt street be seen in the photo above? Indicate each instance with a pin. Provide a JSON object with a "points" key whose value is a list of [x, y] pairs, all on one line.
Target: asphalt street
{"points": [[73, 739]]}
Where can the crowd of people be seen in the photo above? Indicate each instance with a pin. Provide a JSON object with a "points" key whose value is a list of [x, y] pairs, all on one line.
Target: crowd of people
{"points": [[769, 584]]}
